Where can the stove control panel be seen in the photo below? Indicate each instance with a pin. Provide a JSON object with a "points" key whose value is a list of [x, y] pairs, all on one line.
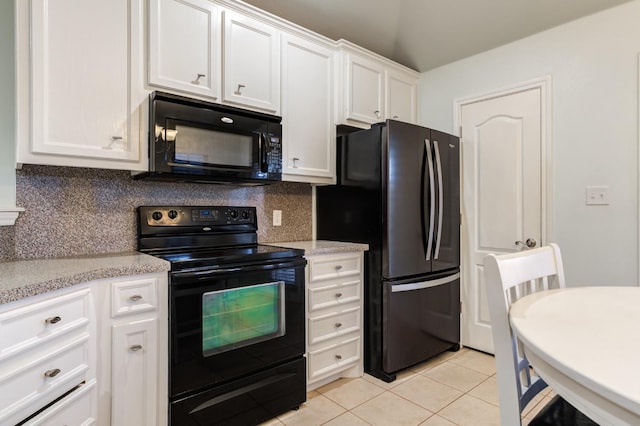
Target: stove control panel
{"points": [[200, 216]]}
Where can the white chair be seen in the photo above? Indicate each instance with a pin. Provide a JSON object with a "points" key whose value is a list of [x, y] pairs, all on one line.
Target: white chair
{"points": [[509, 277]]}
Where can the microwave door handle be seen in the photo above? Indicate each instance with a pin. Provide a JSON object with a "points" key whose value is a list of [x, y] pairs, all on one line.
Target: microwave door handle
{"points": [[262, 152]]}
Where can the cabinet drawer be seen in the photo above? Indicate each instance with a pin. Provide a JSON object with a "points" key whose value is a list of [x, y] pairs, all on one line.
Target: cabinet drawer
{"points": [[44, 378], [38, 323], [332, 325], [324, 268], [333, 358], [77, 408], [333, 295], [130, 297]]}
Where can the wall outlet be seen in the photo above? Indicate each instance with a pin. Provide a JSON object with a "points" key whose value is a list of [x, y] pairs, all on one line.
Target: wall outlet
{"points": [[277, 218], [597, 195]]}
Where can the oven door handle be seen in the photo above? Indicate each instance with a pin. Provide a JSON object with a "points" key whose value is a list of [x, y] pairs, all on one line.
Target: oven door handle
{"points": [[206, 274]]}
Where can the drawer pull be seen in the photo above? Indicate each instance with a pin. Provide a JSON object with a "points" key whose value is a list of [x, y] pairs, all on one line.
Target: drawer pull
{"points": [[135, 348], [338, 267], [338, 324], [338, 357], [53, 320], [52, 373], [338, 294], [135, 298]]}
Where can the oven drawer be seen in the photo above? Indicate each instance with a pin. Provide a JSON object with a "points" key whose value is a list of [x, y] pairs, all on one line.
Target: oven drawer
{"points": [[334, 266], [334, 358], [45, 378], [332, 325], [333, 295], [36, 324], [130, 297]]}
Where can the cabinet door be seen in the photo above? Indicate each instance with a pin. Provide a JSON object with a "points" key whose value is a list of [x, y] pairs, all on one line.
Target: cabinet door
{"points": [[364, 89], [134, 373], [186, 59], [251, 59], [80, 94], [307, 111], [401, 97]]}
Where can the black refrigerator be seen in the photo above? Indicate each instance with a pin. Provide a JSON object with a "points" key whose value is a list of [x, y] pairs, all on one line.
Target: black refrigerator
{"points": [[398, 190]]}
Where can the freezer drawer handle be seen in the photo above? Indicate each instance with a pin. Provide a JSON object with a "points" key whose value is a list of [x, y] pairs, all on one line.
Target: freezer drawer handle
{"points": [[425, 284]]}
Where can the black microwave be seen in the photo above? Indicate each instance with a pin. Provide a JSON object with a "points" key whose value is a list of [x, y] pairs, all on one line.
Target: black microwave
{"points": [[196, 141]]}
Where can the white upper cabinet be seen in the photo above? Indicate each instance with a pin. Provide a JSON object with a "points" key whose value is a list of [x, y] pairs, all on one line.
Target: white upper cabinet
{"points": [[184, 46], [307, 110], [74, 98], [251, 63], [373, 89], [364, 89], [401, 96]]}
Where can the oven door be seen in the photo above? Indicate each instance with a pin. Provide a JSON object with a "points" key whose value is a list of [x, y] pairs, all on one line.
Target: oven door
{"points": [[233, 321]]}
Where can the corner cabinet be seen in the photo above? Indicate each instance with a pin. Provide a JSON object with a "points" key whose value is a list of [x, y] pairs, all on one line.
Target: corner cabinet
{"points": [[334, 317], [307, 110], [373, 89], [75, 103]]}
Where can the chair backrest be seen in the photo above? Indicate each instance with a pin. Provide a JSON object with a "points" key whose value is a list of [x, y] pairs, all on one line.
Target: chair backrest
{"points": [[509, 277]]}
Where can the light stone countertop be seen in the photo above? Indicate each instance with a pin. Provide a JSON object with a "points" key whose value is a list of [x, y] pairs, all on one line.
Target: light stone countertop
{"points": [[25, 278], [314, 247]]}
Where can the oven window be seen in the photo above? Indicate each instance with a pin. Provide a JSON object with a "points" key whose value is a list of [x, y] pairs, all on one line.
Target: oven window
{"points": [[196, 145], [242, 316]]}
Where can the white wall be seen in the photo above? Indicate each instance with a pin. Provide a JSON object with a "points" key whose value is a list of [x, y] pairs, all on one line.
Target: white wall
{"points": [[7, 107], [594, 67]]}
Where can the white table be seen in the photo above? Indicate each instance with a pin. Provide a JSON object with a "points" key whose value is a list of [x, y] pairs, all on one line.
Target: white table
{"points": [[585, 343]]}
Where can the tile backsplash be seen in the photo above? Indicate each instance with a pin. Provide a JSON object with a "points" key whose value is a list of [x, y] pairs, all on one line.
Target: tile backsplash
{"points": [[74, 211]]}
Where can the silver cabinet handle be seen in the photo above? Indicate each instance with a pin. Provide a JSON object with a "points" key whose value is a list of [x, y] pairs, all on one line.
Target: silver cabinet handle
{"points": [[395, 117], [338, 294], [338, 267], [530, 243], [239, 91], [53, 320], [135, 298], [377, 113], [135, 348], [52, 373], [198, 77], [338, 325], [338, 357], [116, 138], [294, 162]]}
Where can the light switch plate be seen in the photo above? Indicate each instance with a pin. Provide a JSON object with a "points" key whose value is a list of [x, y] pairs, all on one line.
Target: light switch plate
{"points": [[277, 218], [597, 195]]}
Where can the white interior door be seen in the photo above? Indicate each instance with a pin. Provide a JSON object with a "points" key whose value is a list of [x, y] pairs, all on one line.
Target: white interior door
{"points": [[502, 202]]}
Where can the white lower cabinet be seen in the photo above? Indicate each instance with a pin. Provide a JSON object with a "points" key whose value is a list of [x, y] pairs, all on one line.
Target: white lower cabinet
{"points": [[133, 359], [334, 317], [48, 358], [133, 371]]}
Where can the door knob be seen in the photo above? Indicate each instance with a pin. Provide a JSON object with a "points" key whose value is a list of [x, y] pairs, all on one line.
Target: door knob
{"points": [[530, 243]]}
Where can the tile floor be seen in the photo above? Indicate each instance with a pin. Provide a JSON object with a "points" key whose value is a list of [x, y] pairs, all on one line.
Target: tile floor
{"points": [[451, 389]]}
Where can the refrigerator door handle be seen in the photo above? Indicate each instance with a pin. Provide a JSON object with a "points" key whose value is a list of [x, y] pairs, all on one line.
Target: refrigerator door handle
{"points": [[432, 210], [440, 199], [425, 284]]}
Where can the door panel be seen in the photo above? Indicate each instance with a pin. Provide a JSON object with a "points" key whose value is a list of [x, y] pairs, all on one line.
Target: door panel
{"points": [[447, 233], [502, 193], [404, 252]]}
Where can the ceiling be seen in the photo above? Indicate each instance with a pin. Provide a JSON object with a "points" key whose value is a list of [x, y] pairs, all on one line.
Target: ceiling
{"points": [[424, 34]]}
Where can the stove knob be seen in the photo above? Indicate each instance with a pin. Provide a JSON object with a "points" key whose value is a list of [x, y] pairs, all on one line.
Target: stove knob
{"points": [[156, 215], [173, 214], [233, 214], [246, 214]]}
